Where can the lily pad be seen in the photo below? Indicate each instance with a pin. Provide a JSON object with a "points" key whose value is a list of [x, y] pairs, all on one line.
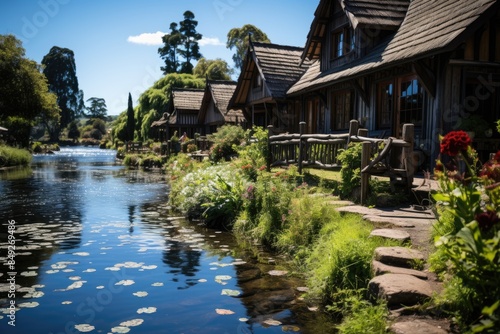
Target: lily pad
{"points": [[120, 329], [222, 311], [146, 310], [84, 328], [28, 305], [290, 328], [271, 322], [29, 273], [157, 284], [229, 292], [140, 294], [81, 253], [132, 323], [125, 282]]}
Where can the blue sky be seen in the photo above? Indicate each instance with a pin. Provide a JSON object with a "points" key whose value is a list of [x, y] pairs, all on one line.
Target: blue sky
{"points": [[116, 41]]}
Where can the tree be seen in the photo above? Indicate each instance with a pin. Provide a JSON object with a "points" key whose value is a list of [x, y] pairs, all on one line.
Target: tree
{"points": [[130, 119], [169, 51], [73, 131], [182, 42], [239, 38], [98, 108], [60, 70], [217, 69], [24, 93], [190, 40]]}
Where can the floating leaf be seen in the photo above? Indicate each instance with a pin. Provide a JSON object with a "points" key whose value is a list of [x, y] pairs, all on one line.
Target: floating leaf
{"points": [[132, 323], [29, 273], [90, 270], [278, 272], [99, 287], [140, 294], [271, 322], [146, 310], [222, 311], [149, 267], [120, 329], [28, 305], [75, 278], [229, 292], [202, 280], [125, 282], [290, 328], [243, 319], [84, 328], [222, 277], [157, 284], [67, 302], [81, 254]]}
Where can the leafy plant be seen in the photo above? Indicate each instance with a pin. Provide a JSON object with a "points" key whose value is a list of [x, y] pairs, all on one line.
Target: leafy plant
{"points": [[224, 141], [350, 172]]}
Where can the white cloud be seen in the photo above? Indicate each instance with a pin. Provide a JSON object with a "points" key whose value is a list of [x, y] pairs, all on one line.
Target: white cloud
{"points": [[215, 41], [147, 38], [154, 38]]}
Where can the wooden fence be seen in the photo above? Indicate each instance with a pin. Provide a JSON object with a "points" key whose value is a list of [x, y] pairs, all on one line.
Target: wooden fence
{"points": [[389, 157]]}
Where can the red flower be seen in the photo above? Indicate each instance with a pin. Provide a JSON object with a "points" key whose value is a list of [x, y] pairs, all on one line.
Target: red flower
{"points": [[487, 219], [455, 142]]}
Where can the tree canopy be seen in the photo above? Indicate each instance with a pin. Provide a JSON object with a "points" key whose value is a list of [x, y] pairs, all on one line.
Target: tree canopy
{"points": [[182, 41], [24, 92], [97, 108], [238, 38], [217, 69], [60, 70]]}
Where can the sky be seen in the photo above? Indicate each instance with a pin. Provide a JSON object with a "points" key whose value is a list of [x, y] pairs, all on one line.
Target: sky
{"points": [[116, 42]]}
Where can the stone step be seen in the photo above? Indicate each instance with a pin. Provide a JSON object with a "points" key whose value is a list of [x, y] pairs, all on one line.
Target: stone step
{"points": [[393, 234], [416, 326], [400, 289], [379, 268], [399, 256]]}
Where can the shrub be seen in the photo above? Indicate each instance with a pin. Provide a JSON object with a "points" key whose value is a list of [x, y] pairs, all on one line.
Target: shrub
{"points": [[10, 156], [350, 172], [223, 141]]}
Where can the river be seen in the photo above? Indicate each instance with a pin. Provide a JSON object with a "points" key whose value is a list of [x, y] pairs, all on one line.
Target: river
{"points": [[89, 246]]}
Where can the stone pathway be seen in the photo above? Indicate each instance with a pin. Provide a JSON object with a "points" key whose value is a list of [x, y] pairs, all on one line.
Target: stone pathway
{"points": [[401, 274]]}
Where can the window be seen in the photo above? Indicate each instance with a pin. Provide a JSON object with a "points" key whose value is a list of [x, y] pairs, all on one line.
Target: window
{"points": [[385, 106], [342, 107], [341, 42], [410, 101]]}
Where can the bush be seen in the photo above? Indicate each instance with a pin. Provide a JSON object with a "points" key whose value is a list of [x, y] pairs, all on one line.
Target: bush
{"points": [[350, 172], [224, 141], [10, 156]]}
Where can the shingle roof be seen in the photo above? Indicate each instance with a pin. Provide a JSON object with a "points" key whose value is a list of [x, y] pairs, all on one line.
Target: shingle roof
{"points": [[187, 99], [221, 93], [430, 27], [279, 65]]}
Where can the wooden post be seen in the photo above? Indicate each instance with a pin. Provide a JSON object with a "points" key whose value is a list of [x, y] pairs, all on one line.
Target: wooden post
{"points": [[353, 129], [363, 132], [269, 153], [408, 163], [366, 152], [302, 126]]}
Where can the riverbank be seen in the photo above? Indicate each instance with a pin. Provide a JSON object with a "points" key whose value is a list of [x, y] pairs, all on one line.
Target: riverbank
{"points": [[11, 157]]}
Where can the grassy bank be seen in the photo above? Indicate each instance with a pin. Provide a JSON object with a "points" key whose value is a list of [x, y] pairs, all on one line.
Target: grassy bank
{"points": [[10, 156], [290, 214]]}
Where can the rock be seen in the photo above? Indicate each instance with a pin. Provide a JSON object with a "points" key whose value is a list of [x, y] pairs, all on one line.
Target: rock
{"points": [[399, 289], [398, 222], [390, 233], [398, 256], [380, 268], [416, 327]]}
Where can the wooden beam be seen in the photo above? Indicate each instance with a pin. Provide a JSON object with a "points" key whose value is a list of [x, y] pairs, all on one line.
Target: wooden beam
{"points": [[426, 76], [361, 91]]}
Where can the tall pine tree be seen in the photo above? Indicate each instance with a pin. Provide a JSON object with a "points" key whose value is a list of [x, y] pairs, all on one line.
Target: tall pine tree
{"points": [[130, 119]]}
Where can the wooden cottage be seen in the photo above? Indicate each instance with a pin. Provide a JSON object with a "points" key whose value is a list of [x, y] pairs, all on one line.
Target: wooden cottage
{"points": [[435, 64], [269, 70], [214, 110], [183, 108]]}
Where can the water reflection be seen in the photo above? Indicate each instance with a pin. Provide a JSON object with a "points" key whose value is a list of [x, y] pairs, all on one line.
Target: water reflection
{"points": [[97, 245]]}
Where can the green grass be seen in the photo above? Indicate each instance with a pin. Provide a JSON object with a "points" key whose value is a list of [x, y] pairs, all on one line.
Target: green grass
{"points": [[10, 156]]}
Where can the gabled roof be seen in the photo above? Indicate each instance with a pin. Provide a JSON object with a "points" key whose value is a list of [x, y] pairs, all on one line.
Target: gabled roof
{"points": [[186, 99], [380, 14], [278, 65], [220, 92], [430, 27]]}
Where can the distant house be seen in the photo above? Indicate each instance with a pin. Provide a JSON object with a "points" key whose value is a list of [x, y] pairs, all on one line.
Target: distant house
{"points": [[388, 62], [183, 108], [269, 70], [214, 110]]}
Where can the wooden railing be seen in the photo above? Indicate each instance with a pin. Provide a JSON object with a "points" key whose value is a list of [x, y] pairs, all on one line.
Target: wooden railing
{"points": [[390, 157]]}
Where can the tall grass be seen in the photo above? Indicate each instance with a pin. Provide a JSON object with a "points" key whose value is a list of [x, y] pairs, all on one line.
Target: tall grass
{"points": [[11, 156]]}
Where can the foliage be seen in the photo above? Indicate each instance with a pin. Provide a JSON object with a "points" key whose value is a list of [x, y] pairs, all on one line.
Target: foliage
{"points": [[24, 93], [148, 119], [73, 131], [470, 201], [350, 172], [239, 38], [361, 316], [60, 70], [223, 141], [252, 153], [181, 42], [217, 69], [129, 133], [97, 108], [10, 156]]}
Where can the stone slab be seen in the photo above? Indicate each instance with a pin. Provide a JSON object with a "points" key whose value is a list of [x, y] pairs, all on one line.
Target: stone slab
{"points": [[416, 327], [398, 256], [389, 233], [400, 289], [379, 268]]}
